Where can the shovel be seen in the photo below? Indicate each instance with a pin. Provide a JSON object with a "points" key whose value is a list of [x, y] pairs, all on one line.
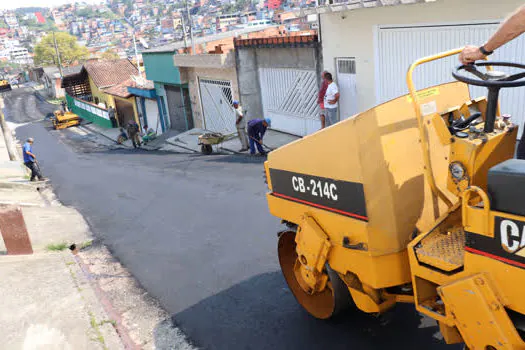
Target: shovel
{"points": [[262, 144]]}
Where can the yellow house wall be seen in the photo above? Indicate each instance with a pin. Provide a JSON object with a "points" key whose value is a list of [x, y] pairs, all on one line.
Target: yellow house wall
{"points": [[130, 100], [110, 99], [96, 92]]}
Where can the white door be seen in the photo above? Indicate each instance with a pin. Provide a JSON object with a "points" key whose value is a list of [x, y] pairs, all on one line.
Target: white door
{"points": [[289, 98], [152, 115], [216, 101], [398, 47], [346, 81]]}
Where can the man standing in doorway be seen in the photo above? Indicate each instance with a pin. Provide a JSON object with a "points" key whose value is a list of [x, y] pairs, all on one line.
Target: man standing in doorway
{"points": [[331, 99], [240, 123], [111, 115], [320, 98], [510, 29], [30, 160]]}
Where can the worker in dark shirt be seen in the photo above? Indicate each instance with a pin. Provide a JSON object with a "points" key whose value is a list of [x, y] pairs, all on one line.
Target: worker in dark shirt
{"points": [[256, 130]]}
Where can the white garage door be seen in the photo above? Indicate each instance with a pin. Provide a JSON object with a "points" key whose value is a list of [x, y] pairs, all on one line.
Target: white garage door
{"points": [[398, 47], [289, 98]]}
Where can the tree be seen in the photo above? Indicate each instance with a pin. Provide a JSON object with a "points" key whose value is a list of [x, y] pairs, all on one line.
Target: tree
{"points": [[109, 55], [68, 48]]}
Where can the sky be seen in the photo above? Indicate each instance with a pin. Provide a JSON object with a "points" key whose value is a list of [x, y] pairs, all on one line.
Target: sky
{"points": [[10, 4]]}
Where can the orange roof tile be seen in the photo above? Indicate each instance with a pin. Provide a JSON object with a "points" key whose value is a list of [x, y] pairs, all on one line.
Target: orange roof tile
{"points": [[107, 73]]}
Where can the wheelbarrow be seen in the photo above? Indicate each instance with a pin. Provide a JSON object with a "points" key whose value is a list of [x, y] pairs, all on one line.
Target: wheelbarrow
{"points": [[209, 139]]}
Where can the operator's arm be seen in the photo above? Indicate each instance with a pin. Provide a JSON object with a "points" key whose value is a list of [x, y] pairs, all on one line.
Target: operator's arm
{"points": [[511, 28]]}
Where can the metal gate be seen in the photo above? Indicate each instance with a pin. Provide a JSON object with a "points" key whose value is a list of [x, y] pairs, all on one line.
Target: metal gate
{"points": [[346, 80], [216, 101], [289, 98], [399, 46]]}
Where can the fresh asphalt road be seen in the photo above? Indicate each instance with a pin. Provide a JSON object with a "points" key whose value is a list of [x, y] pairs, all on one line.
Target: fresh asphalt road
{"points": [[196, 232]]}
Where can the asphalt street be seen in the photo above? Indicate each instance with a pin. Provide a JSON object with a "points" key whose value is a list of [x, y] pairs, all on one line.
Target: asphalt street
{"points": [[196, 232]]}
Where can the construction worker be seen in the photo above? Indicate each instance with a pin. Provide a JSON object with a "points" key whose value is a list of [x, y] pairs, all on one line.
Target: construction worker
{"points": [[240, 123], [511, 28], [256, 130], [134, 133], [149, 135], [30, 160]]}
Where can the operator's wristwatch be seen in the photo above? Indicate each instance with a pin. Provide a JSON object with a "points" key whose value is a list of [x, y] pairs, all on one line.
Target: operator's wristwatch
{"points": [[484, 51]]}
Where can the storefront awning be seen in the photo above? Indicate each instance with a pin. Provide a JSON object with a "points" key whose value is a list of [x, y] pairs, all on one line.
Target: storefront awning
{"points": [[147, 93]]}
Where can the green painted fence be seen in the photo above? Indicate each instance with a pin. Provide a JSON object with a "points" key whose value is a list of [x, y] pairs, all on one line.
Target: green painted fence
{"points": [[89, 111]]}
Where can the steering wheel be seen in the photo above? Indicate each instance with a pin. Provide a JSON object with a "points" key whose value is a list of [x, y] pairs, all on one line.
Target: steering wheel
{"points": [[493, 81]]}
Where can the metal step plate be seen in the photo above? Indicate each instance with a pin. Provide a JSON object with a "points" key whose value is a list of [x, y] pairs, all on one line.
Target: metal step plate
{"points": [[444, 251]]}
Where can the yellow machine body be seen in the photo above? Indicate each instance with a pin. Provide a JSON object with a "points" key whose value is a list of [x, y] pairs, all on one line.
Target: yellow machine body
{"points": [[63, 120], [5, 86], [372, 206]]}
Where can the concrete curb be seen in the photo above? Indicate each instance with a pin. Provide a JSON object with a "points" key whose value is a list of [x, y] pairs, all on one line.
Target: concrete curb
{"points": [[121, 330], [234, 152], [18, 185], [186, 148], [144, 147], [90, 130]]}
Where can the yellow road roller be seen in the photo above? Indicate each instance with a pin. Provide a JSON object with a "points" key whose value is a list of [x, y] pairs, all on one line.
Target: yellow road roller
{"points": [[4, 85], [64, 120], [417, 200]]}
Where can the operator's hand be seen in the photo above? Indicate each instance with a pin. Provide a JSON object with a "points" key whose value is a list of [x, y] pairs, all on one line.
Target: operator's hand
{"points": [[470, 54], [332, 102]]}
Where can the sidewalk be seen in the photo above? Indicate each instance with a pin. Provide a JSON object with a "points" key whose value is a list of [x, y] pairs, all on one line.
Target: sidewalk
{"points": [[188, 142], [54, 299], [113, 133], [47, 302]]}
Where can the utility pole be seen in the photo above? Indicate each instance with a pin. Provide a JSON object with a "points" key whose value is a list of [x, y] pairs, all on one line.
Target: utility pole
{"points": [[58, 56], [136, 52], [184, 32], [191, 29], [8, 136]]}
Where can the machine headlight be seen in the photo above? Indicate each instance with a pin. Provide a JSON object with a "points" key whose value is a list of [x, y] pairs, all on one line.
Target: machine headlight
{"points": [[458, 171]]}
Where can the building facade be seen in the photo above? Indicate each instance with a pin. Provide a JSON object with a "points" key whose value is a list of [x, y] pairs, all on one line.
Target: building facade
{"points": [[172, 92], [279, 78], [381, 42]]}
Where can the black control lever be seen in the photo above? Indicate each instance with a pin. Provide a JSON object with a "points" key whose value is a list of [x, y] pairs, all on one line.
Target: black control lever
{"points": [[458, 125]]}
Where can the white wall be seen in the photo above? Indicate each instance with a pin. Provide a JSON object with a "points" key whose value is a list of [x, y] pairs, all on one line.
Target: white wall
{"points": [[352, 33], [152, 115]]}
